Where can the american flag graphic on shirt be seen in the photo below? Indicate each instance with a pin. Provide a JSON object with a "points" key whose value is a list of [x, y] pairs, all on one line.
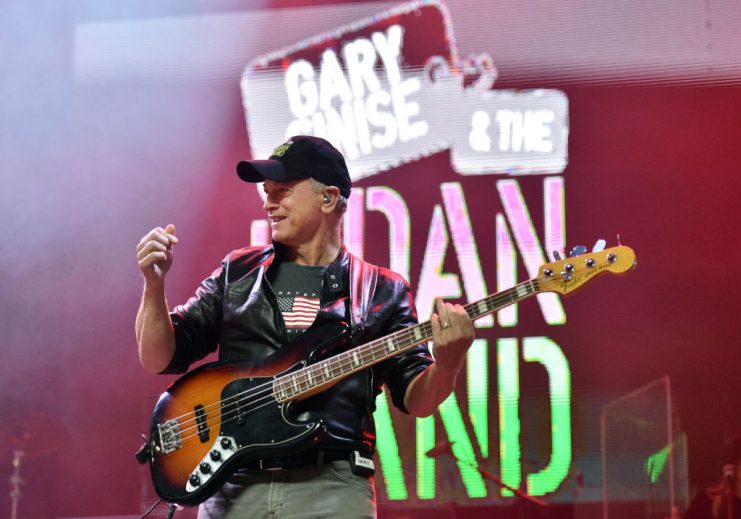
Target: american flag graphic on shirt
{"points": [[299, 309]]}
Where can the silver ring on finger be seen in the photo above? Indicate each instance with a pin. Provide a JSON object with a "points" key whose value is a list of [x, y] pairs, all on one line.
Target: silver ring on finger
{"points": [[445, 324]]}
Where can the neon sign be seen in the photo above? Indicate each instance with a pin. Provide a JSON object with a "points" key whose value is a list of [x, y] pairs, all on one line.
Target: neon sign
{"points": [[388, 91], [383, 105]]}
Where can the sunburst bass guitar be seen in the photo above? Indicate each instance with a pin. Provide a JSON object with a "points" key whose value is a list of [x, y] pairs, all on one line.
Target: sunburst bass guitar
{"points": [[219, 417]]}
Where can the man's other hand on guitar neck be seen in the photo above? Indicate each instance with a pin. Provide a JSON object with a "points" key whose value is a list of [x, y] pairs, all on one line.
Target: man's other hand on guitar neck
{"points": [[452, 333]]}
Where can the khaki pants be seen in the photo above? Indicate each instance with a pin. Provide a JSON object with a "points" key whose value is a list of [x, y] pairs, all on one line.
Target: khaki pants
{"points": [[325, 491]]}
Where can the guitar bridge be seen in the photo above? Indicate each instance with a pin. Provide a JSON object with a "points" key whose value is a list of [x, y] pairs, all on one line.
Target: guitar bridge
{"points": [[170, 437]]}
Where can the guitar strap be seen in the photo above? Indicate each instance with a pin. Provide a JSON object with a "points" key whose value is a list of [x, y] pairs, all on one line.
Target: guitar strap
{"points": [[363, 279]]}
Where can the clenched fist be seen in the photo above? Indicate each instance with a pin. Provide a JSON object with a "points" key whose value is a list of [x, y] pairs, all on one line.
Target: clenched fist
{"points": [[154, 253]]}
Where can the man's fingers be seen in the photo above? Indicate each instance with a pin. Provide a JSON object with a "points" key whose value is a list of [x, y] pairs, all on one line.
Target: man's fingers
{"points": [[458, 315], [158, 235], [151, 259], [162, 236], [442, 313], [150, 246], [170, 231]]}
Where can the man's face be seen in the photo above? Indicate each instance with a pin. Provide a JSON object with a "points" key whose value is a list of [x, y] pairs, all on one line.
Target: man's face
{"points": [[294, 211]]}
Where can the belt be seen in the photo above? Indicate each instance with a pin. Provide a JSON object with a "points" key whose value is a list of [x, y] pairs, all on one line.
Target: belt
{"points": [[301, 459]]}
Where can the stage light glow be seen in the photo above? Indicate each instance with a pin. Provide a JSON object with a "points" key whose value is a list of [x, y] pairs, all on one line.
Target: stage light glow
{"points": [[433, 282], [465, 246], [353, 226], [391, 204], [506, 269], [529, 245]]}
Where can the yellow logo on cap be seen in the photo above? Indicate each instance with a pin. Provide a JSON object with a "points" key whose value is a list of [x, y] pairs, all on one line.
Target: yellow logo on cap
{"points": [[280, 150]]}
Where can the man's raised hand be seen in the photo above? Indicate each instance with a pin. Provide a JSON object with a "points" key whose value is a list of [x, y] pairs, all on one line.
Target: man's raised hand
{"points": [[154, 253]]}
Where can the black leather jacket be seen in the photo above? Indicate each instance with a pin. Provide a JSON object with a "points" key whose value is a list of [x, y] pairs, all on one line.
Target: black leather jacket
{"points": [[235, 308]]}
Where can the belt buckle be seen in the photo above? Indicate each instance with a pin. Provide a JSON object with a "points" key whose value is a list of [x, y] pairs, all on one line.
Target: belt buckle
{"points": [[260, 466]]}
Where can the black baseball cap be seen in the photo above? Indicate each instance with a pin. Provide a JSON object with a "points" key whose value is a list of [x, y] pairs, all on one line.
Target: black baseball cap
{"points": [[301, 156]]}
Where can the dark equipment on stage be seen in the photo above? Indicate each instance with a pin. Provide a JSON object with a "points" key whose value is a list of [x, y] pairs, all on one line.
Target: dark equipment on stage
{"points": [[445, 448]]}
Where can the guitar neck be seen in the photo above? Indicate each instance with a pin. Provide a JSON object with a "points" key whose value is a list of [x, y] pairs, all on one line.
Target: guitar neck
{"points": [[306, 381]]}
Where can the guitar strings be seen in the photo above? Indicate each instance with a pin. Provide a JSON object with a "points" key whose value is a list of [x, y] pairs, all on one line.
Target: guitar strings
{"points": [[245, 401], [248, 398], [270, 384], [342, 362], [345, 361]]}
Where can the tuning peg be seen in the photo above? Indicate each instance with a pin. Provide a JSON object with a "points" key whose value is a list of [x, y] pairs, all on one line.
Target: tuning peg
{"points": [[556, 256], [599, 245], [578, 250]]}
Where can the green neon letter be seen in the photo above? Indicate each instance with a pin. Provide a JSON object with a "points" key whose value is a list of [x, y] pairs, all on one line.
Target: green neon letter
{"points": [[388, 451], [508, 379], [425, 465], [548, 353], [477, 374]]}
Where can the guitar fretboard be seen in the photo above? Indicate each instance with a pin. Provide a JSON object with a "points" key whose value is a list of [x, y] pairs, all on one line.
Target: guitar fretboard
{"points": [[294, 385]]}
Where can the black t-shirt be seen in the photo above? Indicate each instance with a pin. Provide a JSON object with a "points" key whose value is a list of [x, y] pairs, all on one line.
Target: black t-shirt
{"points": [[298, 289]]}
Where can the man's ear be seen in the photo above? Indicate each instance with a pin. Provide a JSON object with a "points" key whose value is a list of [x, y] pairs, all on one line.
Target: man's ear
{"points": [[330, 197]]}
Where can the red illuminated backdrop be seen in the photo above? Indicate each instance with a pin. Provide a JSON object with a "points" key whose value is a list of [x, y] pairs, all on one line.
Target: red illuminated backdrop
{"points": [[93, 157]]}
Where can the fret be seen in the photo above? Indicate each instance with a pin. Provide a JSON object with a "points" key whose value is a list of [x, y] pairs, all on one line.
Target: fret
{"points": [[287, 393], [318, 375], [281, 390], [338, 365]]}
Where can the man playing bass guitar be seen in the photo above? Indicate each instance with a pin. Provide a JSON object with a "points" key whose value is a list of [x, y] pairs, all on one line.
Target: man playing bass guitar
{"points": [[262, 301]]}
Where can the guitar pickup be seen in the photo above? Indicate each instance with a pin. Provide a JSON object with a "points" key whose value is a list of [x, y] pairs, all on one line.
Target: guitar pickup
{"points": [[202, 423]]}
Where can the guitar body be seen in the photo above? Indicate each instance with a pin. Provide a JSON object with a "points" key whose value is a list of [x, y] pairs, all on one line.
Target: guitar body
{"points": [[218, 417]]}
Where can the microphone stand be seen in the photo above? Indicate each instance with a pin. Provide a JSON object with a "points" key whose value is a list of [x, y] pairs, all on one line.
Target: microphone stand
{"points": [[730, 491], [729, 482], [15, 483], [516, 491], [521, 496]]}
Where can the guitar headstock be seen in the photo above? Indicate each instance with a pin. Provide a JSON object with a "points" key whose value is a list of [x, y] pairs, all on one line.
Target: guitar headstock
{"points": [[566, 275]]}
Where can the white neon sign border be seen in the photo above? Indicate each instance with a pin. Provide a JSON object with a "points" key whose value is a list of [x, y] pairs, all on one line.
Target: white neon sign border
{"points": [[342, 30]]}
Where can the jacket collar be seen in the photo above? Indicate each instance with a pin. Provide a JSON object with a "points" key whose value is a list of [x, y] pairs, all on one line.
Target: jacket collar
{"points": [[335, 276]]}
